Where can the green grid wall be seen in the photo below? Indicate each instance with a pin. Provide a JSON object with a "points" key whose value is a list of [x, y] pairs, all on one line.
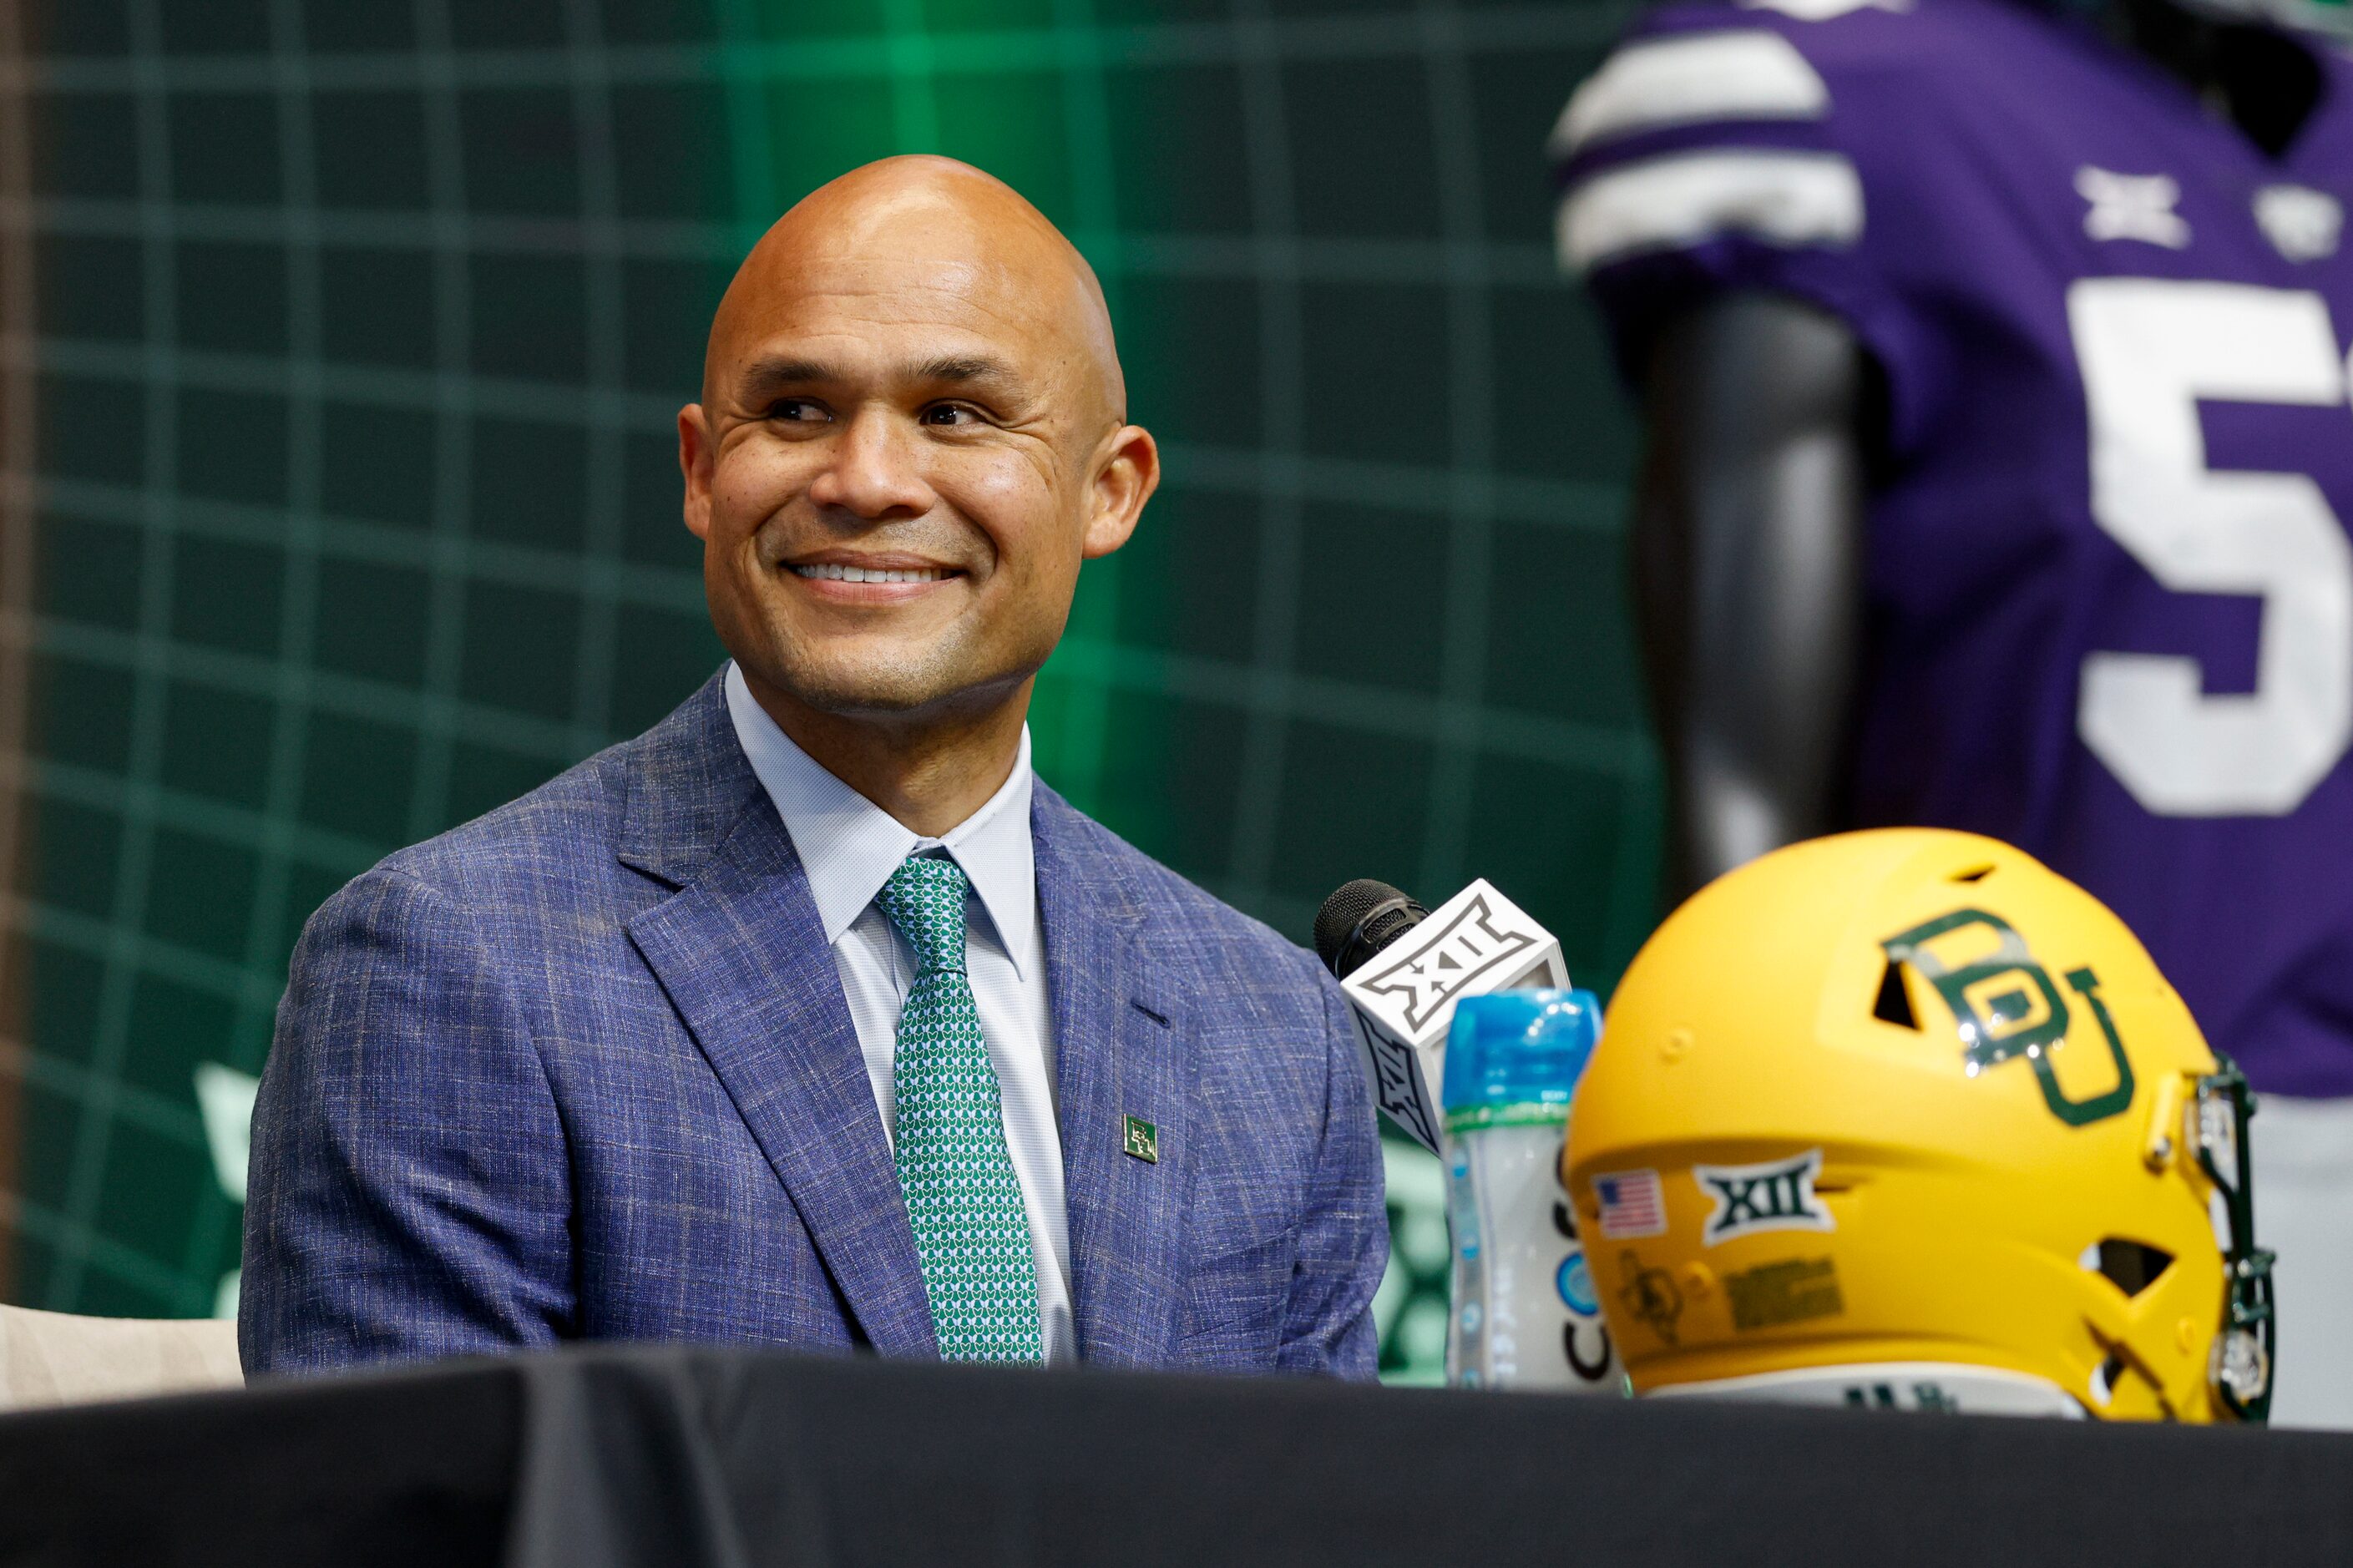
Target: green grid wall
{"points": [[346, 343]]}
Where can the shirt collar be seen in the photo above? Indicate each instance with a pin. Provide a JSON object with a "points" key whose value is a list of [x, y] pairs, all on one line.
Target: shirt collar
{"points": [[850, 845]]}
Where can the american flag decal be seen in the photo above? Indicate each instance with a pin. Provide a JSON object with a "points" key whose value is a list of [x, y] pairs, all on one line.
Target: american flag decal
{"points": [[1632, 1205]]}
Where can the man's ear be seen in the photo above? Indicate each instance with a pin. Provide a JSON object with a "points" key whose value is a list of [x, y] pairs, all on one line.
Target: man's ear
{"points": [[1128, 470], [694, 461]]}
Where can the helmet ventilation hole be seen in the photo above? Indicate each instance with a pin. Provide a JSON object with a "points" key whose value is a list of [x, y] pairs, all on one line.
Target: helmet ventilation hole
{"points": [[2103, 1380], [1974, 874], [2132, 1267], [1895, 1003]]}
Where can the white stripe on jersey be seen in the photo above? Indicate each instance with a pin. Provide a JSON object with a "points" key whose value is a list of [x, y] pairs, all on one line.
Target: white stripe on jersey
{"points": [[1822, 10], [1746, 75], [1787, 198]]}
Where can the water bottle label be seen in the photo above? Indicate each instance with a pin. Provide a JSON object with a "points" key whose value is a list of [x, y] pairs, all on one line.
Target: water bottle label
{"points": [[1575, 1282], [1528, 1312], [1476, 1117]]}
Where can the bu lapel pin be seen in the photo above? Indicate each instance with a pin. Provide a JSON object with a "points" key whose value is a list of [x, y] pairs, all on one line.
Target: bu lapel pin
{"points": [[1143, 1140]]}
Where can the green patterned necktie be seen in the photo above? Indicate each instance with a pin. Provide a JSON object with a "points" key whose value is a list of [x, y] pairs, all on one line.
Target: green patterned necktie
{"points": [[972, 1234]]}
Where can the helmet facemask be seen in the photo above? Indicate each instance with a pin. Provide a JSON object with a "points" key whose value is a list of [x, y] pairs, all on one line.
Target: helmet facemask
{"points": [[2244, 1351]]}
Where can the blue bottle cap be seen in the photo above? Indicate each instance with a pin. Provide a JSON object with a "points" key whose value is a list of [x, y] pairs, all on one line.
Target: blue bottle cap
{"points": [[1517, 1049]]}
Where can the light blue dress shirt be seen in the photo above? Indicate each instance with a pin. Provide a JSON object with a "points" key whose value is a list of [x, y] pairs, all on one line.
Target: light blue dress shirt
{"points": [[849, 847]]}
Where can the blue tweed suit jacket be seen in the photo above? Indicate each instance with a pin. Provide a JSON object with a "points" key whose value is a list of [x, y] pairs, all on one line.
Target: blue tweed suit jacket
{"points": [[583, 1069]]}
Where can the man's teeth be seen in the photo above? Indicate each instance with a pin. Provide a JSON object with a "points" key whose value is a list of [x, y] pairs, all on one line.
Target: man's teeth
{"points": [[833, 573]]}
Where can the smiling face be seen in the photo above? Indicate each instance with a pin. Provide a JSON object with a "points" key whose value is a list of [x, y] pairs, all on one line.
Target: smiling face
{"points": [[910, 439]]}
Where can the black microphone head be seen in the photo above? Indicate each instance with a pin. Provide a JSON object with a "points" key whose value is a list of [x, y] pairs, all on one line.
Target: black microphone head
{"points": [[1359, 920]]}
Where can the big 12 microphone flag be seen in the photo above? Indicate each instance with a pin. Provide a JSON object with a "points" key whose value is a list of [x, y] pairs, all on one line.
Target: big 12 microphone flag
{"points": [[1403, 971]]}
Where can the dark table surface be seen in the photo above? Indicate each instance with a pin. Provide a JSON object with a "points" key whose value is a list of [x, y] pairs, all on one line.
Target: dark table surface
{"points": [[641, 1456]]}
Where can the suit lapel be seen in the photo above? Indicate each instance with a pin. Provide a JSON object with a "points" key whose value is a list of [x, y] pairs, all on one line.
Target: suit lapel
{"points": [[1116, 1032], [740, 952]]}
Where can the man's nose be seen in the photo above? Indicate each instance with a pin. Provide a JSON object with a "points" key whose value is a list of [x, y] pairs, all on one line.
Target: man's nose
{"points": [[876, 470]]}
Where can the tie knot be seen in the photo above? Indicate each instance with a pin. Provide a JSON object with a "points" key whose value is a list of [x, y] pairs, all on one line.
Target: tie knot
{"points": [[924, 901]]}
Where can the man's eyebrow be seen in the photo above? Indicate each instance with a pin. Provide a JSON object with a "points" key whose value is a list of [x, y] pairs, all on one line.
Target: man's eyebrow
{"points": [[787, 371], [958, 368]]}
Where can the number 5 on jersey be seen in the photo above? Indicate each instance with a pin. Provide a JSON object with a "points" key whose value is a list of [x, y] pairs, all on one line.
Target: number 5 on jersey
{"points": [[2150, 350]]}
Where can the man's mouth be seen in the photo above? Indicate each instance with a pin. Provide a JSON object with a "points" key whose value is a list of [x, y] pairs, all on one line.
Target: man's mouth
{"points": [[833, 571]]}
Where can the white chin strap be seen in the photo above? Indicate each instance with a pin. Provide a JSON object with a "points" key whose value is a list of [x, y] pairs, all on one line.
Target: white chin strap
{"points": [[1947, 1386]]}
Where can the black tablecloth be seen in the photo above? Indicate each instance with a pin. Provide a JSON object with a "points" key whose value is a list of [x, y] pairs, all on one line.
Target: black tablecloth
{"points": [[608, 1458]]}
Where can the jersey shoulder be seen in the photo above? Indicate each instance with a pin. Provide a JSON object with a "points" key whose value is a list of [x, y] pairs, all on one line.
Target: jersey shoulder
{"points": [[1832, 26], [1924, 39], [1777, 122], [1825, 71], [1809, 148]]}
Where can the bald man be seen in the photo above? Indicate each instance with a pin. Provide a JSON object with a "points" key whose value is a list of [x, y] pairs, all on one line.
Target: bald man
{"points": [[810, 1017]]}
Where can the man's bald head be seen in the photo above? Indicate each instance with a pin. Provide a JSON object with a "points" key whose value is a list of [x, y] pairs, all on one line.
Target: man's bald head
{"points": [[911, 435], [973, 233]]}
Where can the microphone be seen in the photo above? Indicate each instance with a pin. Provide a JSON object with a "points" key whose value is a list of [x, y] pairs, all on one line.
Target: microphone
{"points": [[1403, 968], [1359, 920]]}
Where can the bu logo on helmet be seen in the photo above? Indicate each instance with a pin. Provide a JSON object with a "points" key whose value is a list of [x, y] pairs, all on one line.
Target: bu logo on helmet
{"points": [[2005, 1005]]}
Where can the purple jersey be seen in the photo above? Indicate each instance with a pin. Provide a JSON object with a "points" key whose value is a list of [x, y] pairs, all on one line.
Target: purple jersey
{"points": [[2111, 591]]}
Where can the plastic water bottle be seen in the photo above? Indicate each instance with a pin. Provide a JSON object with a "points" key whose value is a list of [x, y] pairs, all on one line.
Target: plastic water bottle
{"points": [[1526, 1314]]}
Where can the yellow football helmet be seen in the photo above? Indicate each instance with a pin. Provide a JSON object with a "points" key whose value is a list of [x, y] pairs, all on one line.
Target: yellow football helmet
{"points": [[1904, 1117]]}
